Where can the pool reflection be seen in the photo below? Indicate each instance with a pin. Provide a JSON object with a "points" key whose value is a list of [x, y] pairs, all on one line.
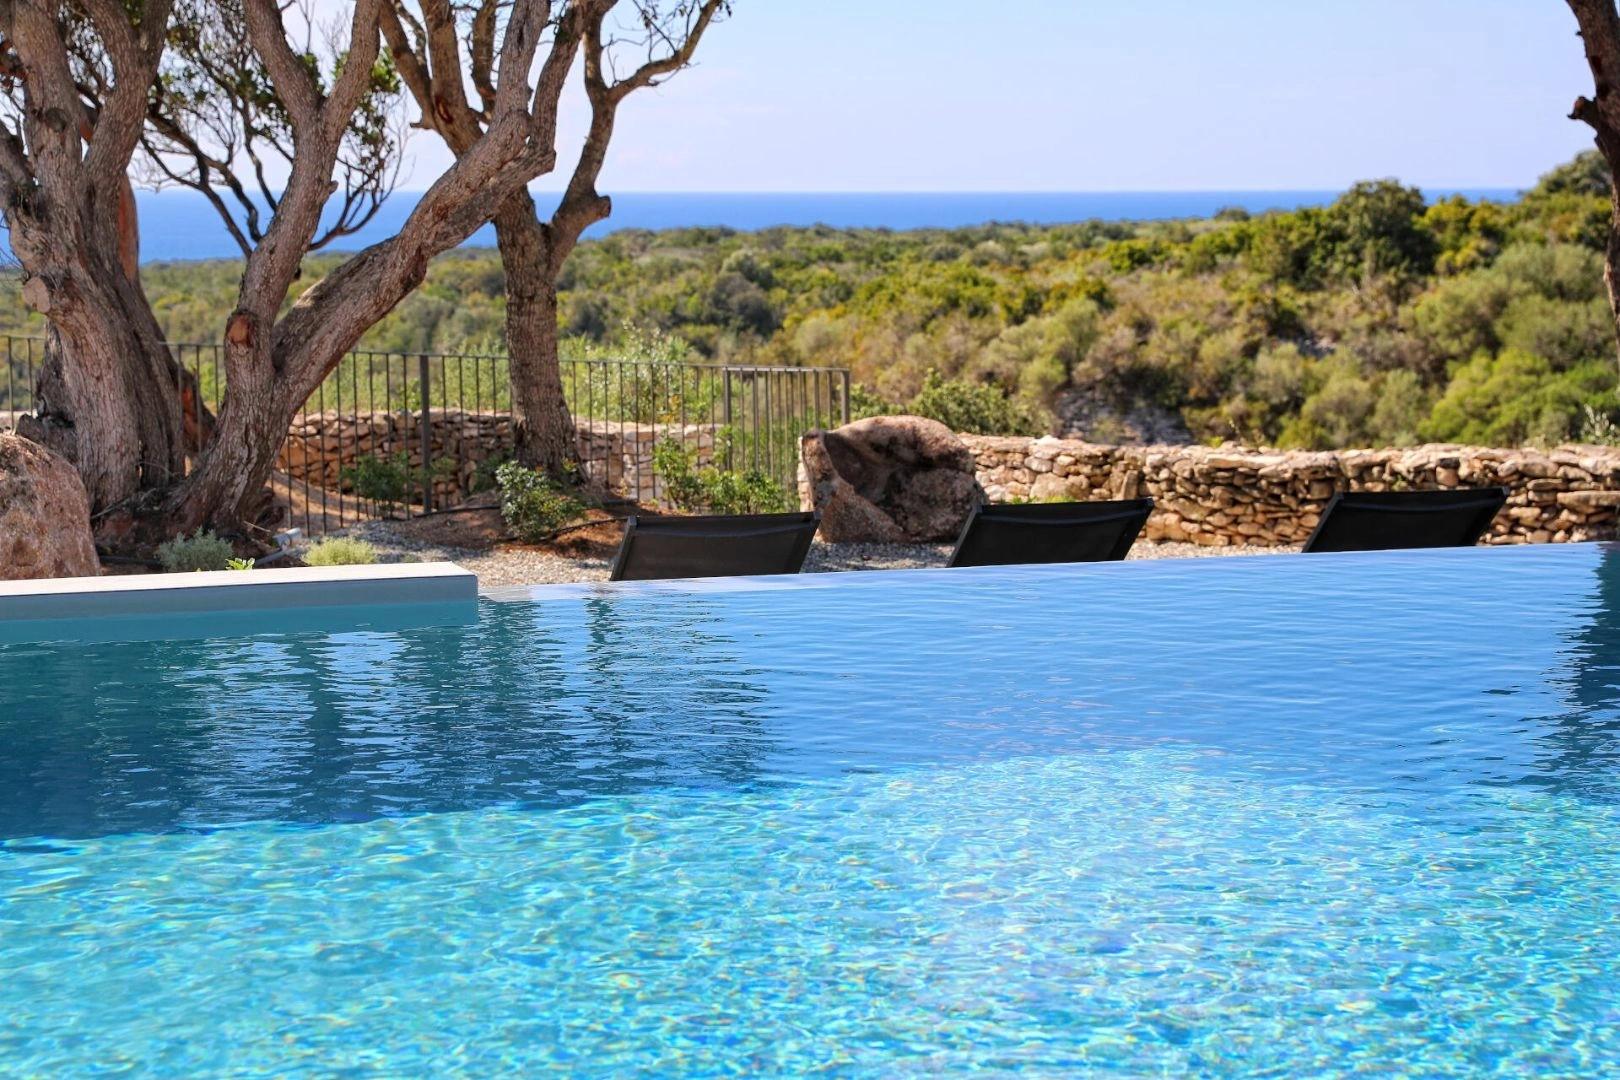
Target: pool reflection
{"points": [[543, 711], [1407, 677]]}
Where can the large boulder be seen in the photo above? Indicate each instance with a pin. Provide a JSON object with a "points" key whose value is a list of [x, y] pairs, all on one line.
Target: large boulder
{"points": [[44, 514], [889, 479]]}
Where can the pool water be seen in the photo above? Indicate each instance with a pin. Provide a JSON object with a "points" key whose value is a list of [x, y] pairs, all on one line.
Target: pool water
{"points": [[1290, 815]]}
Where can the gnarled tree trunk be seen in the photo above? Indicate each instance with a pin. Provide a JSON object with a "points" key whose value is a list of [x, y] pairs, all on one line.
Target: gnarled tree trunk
{"points": [[1600, 33], [543, 428], [108, 395]]}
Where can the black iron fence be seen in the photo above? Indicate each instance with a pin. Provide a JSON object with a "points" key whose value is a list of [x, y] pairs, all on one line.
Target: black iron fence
{"points": [[396, 435]]}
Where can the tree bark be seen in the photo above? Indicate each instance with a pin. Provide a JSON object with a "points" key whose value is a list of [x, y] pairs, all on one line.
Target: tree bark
{"points": [[1600, 34], [108, 394], [541, 423], [226, 489]]}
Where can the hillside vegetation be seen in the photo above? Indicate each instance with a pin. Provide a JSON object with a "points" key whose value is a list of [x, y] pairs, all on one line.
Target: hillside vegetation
{"points": [[1381, 319]]}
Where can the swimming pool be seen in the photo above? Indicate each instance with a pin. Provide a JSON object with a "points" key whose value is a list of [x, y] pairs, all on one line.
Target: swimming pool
{"points": [[1297, 814]]}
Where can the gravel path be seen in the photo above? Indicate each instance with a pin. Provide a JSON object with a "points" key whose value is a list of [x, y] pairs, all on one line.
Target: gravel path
{"points": [[521, 566]]}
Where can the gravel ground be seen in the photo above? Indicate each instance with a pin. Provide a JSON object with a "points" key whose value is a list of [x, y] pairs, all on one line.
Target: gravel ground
{"points": [[522, 566]]}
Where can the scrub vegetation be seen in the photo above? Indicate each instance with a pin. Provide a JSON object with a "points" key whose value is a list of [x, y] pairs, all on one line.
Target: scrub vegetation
{"points": [[1381, 319]]}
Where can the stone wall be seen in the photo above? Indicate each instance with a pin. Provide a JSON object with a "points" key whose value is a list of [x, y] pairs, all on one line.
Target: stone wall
{"points": [[320, 446], [1221, 496]]}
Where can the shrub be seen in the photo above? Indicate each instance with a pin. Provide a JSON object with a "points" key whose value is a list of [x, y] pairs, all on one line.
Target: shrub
{"points": [[1516, 398], [239, 564], [390, 480], [340, 551], [203, 551], [1335, 416], [1402, 406], [975, 408], [865, 402], [382, 478], [483, 478], [533, 504], [1565, 333], [710, 489], [1598, 426]]}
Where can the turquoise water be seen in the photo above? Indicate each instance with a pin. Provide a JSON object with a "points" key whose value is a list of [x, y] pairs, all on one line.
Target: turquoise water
{"points": [[1294, 815]]}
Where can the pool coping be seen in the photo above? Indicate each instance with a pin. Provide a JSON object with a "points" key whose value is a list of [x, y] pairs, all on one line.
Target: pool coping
{"points": [[235, 591]]}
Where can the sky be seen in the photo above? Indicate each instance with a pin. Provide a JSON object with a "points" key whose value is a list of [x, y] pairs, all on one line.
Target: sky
{"points": [[1101, 95]]}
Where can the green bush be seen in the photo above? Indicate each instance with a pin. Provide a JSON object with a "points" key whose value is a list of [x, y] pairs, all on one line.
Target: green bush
{"points": [[202, 551], [974, 408], [340, 551], [390, 480], [865, 402], [1516, 398], [710, 489], [484, 473], [382, 478], [533, 504]]}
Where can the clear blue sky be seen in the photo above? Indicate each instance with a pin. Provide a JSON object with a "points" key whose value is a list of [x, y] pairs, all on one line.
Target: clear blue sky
{"points": [[1045, 95]]}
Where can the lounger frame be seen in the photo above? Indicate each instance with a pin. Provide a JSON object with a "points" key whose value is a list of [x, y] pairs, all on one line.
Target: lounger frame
{"points": [[1031, 533], [664, 548], [1373, 520]]}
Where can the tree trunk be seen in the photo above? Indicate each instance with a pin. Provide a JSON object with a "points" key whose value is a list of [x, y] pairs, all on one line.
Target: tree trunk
{"points": [[108, 394], [1611, 253], [227, 490], [227, 487], [1600, 35], [543, 428]]}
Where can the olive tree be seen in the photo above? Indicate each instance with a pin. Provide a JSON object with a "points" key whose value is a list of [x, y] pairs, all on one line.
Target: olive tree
{"points": [[442, 50], [65, 158]]}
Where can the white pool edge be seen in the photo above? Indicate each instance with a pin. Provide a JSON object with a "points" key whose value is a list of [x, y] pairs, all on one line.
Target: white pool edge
{"points": [[235, 591]]}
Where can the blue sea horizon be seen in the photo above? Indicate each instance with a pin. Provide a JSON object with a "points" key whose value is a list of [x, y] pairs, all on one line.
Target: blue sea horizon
{"points": [[180, 225]]}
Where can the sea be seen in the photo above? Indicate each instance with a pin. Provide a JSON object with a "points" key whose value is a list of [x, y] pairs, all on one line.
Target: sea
{"points": [[180, 225]]}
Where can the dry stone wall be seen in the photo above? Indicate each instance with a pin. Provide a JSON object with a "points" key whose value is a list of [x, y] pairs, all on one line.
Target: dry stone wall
{"points": [[320, 446], [1223, 496]]}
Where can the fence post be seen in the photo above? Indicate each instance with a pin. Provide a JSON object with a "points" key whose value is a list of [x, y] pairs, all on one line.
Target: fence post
{"points": [[725, 413], [425, 382], [843, 394]]}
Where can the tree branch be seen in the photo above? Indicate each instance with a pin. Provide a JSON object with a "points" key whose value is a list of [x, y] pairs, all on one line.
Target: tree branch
{"points": [[1600, 34], [317, 127], [679, 56]]}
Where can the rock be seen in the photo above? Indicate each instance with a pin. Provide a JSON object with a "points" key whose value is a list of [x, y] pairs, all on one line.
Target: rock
{"points": [[44, 515], [1589, 500], [889, 479], [1049, 487]]}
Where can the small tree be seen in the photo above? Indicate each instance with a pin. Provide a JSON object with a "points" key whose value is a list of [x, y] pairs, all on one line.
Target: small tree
{"points": [[439, 51]]}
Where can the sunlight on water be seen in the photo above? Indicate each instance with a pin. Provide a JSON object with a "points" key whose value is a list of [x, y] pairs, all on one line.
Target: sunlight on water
{"points": [[1156, 909]]}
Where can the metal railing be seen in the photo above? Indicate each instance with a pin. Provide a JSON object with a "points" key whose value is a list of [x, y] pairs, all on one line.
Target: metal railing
{"points": [[392, 434]]}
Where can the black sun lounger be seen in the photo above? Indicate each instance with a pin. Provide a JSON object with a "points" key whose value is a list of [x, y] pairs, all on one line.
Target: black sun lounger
{"points": [[1050, 533], [1385, 520], [657, 548]]}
